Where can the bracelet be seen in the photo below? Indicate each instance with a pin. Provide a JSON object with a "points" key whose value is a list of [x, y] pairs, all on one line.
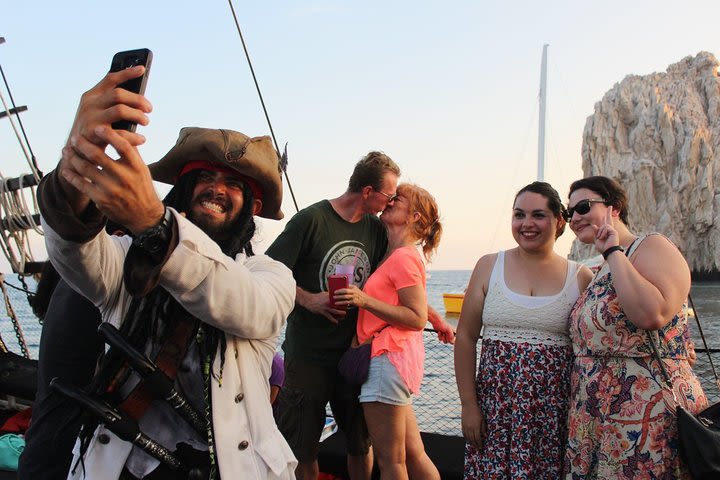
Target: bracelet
{"points": [[614, 248]]}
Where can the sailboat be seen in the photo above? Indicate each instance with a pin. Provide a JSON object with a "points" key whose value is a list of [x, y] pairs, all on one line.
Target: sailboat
{"points": [[453, 301]]}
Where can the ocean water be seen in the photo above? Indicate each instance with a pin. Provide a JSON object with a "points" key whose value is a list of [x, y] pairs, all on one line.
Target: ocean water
{"points": [[437, 407], [440, 281]]}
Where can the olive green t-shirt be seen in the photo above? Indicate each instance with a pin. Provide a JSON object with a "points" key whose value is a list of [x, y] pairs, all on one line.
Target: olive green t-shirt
{"points": [[313, 242]]}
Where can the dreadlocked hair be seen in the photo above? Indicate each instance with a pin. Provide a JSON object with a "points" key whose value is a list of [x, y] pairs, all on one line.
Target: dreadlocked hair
{"points": [[155, 315]]}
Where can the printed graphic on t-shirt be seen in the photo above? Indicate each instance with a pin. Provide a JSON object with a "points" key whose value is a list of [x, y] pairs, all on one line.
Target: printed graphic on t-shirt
{"points": [[347, 252]]}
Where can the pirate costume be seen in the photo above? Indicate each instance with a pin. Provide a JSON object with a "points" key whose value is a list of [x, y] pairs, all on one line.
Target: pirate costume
{"points": [[236, 305]]}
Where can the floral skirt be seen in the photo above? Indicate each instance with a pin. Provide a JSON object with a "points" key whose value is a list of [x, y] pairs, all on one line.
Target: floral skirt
{"points": [[622, 423], [523, 392]]}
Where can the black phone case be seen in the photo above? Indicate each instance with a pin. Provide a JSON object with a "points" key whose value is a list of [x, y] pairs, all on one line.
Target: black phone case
{"points": [[127, 59]]}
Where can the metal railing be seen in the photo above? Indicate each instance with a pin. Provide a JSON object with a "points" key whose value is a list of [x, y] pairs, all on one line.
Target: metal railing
{"points": [[437, 407], [704, 372]]}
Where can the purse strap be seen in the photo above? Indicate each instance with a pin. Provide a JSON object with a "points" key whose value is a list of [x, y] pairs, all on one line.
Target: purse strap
{"points": [[369, 340], [652, 335]]}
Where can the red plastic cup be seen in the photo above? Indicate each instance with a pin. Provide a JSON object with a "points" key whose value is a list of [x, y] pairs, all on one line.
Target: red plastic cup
{"points": [[336, 282]]}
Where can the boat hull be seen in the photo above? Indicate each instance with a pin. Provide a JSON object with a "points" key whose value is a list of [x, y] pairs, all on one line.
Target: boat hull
{"points": [[453, 302]]}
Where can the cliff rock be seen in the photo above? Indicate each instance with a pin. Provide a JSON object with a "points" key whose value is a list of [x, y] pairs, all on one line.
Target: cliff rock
{"points": [[659, 136]]}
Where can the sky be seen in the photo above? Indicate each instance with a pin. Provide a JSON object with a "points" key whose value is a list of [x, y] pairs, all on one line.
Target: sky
{"points": [[448, 89]]}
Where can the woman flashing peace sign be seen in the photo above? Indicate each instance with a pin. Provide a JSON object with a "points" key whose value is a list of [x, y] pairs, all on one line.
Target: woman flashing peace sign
{"points": [[621, 420]]}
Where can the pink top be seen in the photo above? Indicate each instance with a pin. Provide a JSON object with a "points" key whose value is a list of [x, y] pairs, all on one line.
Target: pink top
{"points": [[404, 347]]}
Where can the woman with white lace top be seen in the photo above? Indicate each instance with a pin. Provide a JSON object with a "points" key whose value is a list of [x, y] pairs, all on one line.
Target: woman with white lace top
{"points": [[514, 414]]}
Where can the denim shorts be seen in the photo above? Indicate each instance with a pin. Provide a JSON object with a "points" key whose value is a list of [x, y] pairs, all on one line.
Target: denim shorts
{"points": [[384, 384]]}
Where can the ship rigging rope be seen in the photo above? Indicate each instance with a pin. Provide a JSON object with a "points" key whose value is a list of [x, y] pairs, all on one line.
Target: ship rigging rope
{"points": [[14, 208], [15, 239], [31, 157], [19, 221], [283, 159]]}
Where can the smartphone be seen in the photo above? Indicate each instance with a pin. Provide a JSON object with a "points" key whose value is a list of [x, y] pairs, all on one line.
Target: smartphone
{"points": [[127, 59], [336, 282]]}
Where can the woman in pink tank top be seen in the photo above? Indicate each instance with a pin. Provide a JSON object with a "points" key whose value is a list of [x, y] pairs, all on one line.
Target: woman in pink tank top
{"points": [[393, 313]]}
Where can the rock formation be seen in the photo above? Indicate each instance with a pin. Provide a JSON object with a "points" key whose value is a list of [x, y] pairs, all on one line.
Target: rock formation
{"points": [[659, 136]]}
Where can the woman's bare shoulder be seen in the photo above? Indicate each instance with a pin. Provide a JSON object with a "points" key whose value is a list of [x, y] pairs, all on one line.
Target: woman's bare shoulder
{"points": [[584, 276], [485, 263]]}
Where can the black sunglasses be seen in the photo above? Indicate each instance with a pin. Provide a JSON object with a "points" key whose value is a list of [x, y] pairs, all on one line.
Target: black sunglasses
{"points": [[583, 206], [390, 198]]}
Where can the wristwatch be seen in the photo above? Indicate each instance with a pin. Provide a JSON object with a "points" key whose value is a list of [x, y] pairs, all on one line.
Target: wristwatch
{"points": [[155, 240]]}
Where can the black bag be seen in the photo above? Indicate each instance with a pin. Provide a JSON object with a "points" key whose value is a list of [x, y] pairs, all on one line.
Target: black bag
{"points": [[698, 435], [700, 441]]}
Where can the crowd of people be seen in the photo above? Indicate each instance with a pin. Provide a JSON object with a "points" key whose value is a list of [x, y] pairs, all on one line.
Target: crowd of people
{"points": [[566, 383]]}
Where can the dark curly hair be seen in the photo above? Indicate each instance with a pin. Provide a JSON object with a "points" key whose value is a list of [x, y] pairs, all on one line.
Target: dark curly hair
{"points": [[554, 202], [609, 189]]}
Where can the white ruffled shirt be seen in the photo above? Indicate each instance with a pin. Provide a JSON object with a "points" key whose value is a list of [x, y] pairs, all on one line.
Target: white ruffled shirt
{"points": [[247, 298]]}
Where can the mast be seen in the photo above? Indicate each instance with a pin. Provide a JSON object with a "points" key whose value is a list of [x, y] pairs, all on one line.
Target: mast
{"points": [[541, 123]]}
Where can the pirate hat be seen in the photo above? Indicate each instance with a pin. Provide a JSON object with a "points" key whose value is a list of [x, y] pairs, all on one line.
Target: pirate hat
{"points": [[252, 158]]}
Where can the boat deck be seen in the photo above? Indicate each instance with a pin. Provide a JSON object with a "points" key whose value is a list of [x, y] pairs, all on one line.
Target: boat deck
{"points": [[446, 452]]}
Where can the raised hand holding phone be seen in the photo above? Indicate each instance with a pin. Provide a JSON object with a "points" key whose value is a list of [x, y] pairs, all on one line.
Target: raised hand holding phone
{"points": [[101, 104], [99, 108], [121, 189]]}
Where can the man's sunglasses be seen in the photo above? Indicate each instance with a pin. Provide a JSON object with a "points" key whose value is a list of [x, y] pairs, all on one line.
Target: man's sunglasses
{"points": [[583, 206], [390, 198]]}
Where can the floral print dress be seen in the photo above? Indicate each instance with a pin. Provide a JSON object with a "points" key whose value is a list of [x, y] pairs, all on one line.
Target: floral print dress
{"points": [[523, 381], [622, 423]]}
